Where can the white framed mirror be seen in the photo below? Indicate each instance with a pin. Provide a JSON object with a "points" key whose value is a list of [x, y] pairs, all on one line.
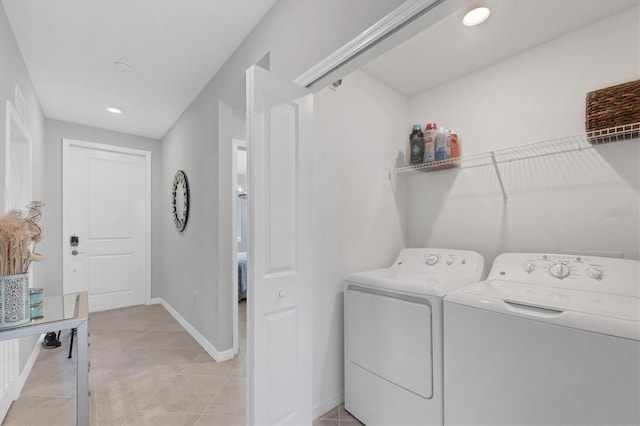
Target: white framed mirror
{"points": [[18, 189]]}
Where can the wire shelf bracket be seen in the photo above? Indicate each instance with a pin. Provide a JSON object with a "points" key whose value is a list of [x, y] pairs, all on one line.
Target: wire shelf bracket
{"points": [[497, 170]]}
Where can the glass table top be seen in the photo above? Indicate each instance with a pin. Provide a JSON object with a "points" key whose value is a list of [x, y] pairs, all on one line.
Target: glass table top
{"points": [[55, 308]]}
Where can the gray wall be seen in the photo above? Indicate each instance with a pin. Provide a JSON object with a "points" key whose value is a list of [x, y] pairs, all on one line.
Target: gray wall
{"points": [[52, 245], [13, 71]]}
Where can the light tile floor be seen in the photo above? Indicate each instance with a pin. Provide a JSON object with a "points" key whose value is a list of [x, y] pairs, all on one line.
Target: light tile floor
{"points": [[337, 417], [145, 370]]}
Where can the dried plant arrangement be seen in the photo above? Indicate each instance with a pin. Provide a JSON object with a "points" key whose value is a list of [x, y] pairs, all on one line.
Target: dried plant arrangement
{"points": [[19, 235]]}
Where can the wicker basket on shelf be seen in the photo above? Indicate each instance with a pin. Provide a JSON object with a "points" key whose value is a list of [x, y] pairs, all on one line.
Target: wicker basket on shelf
{"points": [[612, 107]]}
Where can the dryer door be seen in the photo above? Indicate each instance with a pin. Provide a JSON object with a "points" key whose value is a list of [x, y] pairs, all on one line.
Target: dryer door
{"points": [[390, 336]]}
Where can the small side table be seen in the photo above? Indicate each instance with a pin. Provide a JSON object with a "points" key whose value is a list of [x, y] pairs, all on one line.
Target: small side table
{"points": [[69, 311]]}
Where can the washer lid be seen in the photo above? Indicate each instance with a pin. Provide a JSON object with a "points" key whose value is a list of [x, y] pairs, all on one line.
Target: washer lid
{"points": [[614, 306], [604, 313]]}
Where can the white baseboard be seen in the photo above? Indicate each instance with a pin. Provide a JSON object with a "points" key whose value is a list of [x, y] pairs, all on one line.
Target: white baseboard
{"points": [[217, 355], [328, 404]]}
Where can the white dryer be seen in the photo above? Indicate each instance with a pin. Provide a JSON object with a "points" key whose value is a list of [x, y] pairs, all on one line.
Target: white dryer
{"points": [[547, 340], [393, 335]]}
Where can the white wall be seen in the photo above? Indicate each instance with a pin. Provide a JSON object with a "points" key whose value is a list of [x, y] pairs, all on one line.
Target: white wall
{"points": [[13, 71], [579, 201], [539, 94], [360, 222], [296, 34], [52, 219]]}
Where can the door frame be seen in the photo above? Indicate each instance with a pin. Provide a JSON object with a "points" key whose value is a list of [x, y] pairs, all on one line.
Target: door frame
{"points": [[66, 147], [236, 145], [15, 124]]}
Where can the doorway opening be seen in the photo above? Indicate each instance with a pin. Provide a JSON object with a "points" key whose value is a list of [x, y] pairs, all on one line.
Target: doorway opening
{"points": [[239, 251]]}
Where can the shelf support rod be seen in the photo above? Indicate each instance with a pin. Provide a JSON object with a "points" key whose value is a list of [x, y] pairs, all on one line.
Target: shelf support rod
{"points": [[495, 167]]}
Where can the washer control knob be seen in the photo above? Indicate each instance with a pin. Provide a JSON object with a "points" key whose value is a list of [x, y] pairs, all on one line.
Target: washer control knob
{"points": [[431, 259], [528, 267], [595, 273], [560, 270], [450, 261]]}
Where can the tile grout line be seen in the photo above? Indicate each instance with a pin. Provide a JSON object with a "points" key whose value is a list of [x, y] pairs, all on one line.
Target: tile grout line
{"points": [[157, 392], [218, 393]]}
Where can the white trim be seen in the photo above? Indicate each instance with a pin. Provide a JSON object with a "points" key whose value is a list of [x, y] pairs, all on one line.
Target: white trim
{"points": [[218, 356], [147, 231], [398, 18], [13, 118], [66, 146], [104, 147], [328, 404], [5, 404], [20, 103], [236, 144]]}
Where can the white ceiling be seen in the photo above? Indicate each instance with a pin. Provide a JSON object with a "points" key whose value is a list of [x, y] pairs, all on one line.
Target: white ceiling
{"points": [[449, 50], [175, 47]]}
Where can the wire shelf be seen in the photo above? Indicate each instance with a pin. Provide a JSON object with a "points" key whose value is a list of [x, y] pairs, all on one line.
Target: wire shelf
{"points": [[529, 151], [533, 150]]}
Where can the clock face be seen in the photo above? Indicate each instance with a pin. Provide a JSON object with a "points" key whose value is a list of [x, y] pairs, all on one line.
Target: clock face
{"points": [[180, 200]]}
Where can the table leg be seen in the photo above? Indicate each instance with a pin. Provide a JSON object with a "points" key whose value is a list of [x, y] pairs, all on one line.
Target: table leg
{"points": [[82, 385]]}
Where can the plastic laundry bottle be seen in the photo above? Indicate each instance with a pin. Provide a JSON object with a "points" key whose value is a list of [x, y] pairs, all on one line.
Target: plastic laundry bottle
{"points": [[455, 145], [416, 145], [441, 144], [429, 134]]}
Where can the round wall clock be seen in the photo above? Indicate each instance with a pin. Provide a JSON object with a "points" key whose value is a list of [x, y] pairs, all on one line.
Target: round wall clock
{"points": [[180, 200]]}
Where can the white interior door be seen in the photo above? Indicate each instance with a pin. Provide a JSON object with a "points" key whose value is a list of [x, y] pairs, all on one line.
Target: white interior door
{"points": [[279, 116], [106, 212]]}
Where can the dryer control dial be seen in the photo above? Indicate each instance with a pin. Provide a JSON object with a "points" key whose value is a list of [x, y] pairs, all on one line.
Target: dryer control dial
{"points": [[560, 270], [595, 273], [431, 259], [528, 267]]}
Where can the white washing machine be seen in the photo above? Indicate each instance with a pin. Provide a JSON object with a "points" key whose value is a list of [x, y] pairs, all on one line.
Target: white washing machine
{"points": [[547, 340], [393, 335]]}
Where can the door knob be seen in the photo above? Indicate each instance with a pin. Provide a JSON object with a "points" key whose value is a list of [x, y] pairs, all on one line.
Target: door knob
{"points": [[282, 293], [76, 252]]}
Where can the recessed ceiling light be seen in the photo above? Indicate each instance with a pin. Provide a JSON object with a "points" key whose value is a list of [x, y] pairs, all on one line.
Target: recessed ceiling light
{"points": [[114, 110], [476, 16], [123, 66]]}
